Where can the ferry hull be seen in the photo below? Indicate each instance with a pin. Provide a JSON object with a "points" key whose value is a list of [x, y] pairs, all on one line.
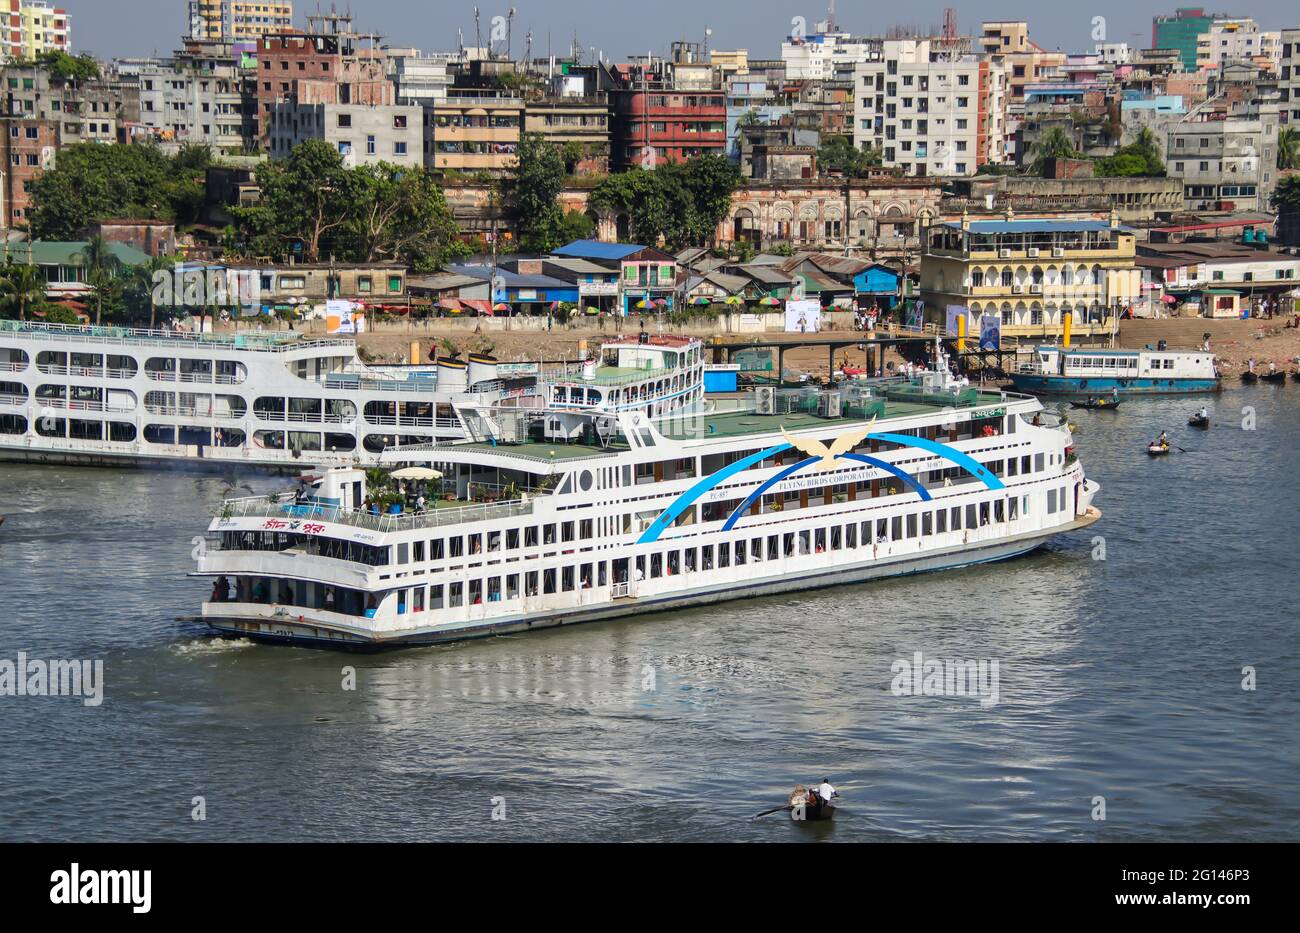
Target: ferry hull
{"points": [[1068, 385], [146, 462], [301, 630]]}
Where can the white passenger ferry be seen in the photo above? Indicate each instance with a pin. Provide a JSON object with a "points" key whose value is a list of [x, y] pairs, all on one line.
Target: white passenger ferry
{"points": [[551, 517], [117, 396]]}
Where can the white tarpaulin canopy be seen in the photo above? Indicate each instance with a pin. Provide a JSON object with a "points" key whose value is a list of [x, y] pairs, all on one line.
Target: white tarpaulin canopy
{"points": [[416, 473]]}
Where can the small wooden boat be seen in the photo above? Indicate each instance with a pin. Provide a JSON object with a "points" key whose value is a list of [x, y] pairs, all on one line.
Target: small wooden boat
{"points": [[1249, 378], [811, 814], [1158, 450], [1277, 377], [1296, 375], [1196, 421], [1100, 404]]}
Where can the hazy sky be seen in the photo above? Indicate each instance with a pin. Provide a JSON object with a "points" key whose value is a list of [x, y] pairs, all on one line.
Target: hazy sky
{"points": [[626, 27]]}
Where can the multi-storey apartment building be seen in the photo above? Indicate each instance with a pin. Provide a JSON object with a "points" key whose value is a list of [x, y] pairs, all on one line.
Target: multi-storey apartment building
{"points": [[238, 20], [326, 64], [1031, 272], [96, 110], [1227, 164], [474, 129], [1181, 32], [576, 121], [29, 28], [824, 56], [1235, 40], [201, 95], [363, 134], [418, 77], [1289, 76], [932, 106], [657, 120]]}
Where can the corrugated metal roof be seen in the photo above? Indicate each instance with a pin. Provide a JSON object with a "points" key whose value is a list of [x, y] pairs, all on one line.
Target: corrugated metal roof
{"points": [[594, 249]]}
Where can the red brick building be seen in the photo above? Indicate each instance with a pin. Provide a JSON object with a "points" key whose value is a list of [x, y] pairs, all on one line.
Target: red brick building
{"points": [[317, 69], [28, 145], [655, 122]]}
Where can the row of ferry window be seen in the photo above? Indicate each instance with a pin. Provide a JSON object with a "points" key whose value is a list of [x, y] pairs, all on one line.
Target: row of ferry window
{"points": [[705, 558], [199, 435], [126, 367]]}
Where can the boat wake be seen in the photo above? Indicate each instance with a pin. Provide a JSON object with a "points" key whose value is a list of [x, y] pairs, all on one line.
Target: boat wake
{"points": [[200, 647]]}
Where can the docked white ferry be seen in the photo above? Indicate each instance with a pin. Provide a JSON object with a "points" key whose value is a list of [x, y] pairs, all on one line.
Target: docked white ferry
{"points": [[1057, 371], [118, 396], [551, 517]]}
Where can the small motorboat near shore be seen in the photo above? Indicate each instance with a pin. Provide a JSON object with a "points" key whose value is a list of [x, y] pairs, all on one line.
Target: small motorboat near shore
{"points": [[1276, 377], [1097, 404], [1249, 378]]}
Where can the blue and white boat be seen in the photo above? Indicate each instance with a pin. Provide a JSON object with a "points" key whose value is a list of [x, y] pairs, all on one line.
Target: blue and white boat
{"points": [[605, 513], [1089, 372]]}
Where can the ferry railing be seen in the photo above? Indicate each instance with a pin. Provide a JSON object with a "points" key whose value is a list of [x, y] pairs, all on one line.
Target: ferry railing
{"points": [[392, 421], [158, 375], [274, 509], [140, 337], [13, 399], [13, 367]]}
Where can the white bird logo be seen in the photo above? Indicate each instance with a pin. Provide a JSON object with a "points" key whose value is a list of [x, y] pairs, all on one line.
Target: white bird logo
{"points": [[840, 446]]}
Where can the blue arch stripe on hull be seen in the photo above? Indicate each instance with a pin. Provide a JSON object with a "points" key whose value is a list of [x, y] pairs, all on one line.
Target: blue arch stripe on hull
{"points": [[686, 499], [967, 463], [757, 493]]}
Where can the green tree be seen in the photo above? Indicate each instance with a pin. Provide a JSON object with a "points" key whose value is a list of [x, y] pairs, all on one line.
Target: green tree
{"points": [[1056, 143], [22, 287], [67, 67], [91, 181], [575, 225], [838, 154], [681, 202], [1286, 196], [1288, 147], [401, 215], [140, 286], [306, 199], [102, 269], [532, 193]]}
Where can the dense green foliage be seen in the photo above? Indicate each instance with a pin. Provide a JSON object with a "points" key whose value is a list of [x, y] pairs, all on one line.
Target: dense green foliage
{"points": [[1288, 147], [92, 181], [838, 154], [1140, 158], [682, 203], [313, 206], [1053, 144], [532, 194], [1286, 196]]}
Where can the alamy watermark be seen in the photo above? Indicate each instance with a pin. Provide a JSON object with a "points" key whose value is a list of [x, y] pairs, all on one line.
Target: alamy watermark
{"points": [[947, 677], [206, 288], [34, 677]]}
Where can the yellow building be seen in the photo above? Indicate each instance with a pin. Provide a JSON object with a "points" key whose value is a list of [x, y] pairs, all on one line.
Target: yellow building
{"points": [[31, 27], [470, 133], [238, 20], [1032, 273]]}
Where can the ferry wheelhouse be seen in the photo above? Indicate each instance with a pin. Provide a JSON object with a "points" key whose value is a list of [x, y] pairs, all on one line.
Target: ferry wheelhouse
{"points": [[1056, 371], [560, 516], [118, 396]]}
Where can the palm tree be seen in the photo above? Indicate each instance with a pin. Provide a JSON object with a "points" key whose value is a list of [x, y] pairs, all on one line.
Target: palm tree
{"points": [[23, 286], [102, 266], [142, 277], [1288, 148], [1056, 143]]}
